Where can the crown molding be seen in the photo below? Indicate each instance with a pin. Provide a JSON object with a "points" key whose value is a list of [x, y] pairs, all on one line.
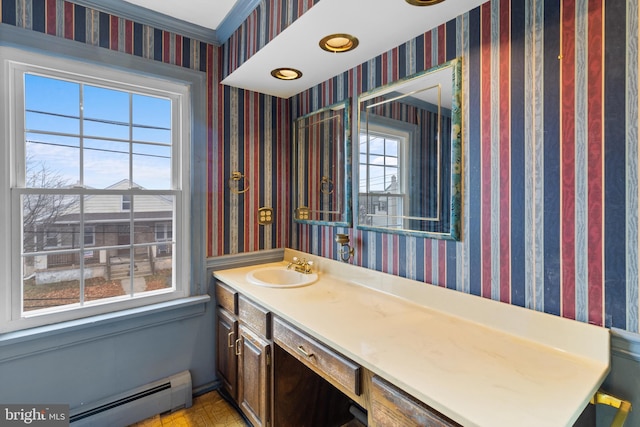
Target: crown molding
{"points": [[236, 16], [144, 16]]}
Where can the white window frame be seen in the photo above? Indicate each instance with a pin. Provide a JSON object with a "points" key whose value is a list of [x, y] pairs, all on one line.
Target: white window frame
{"points": [[13, 63]]}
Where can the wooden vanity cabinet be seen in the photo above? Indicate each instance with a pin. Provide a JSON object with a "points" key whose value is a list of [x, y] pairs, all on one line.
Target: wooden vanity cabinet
{"points": [[244, 352], [390, 406], [253, 349], [227, 334], [227, 364], [254, 376]]}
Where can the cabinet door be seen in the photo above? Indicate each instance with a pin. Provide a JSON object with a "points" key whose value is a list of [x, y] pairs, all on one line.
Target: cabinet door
{"points": [[254, 376], [227, 333]]}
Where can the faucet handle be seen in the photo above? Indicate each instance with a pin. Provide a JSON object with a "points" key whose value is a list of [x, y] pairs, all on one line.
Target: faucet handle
{"points": [[295, 259], [309, 263]]}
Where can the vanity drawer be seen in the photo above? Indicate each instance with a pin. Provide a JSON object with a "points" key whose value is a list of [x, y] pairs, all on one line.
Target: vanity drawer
{"points": [[254, 316], [226, 297], [317, 356], [392, 406]]}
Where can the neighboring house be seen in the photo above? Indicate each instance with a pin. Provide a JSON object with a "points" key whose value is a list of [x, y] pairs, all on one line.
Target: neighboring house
{"points": [[383, 209], [107, 236]]}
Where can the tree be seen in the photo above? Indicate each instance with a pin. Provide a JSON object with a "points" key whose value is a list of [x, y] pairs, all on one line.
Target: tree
{"points": [[41, 212]]}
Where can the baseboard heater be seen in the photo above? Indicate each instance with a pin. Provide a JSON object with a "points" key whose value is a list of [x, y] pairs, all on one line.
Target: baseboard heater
{"points": [[165, 395]]}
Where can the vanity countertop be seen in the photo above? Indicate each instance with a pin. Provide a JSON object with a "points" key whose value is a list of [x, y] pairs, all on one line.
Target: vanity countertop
{"points": [[477, 361]]}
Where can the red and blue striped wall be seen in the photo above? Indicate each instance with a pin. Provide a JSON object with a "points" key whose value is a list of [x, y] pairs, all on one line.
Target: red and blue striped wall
{"points": [[247, 132], [550, 158], [550, 146]]}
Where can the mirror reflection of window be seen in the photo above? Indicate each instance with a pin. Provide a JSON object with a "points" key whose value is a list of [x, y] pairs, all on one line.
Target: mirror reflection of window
{"points": [[382, 177]]}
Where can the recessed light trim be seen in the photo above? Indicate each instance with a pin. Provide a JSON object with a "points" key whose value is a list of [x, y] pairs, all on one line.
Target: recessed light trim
{"points": [[339, 43], [423, 2], [286, 73]]}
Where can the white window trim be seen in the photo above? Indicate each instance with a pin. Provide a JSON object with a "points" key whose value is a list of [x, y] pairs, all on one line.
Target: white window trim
{"points": [[12, 60]]}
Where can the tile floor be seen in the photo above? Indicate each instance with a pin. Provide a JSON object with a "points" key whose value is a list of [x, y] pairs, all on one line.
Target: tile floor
{"points": [[210, 409]]}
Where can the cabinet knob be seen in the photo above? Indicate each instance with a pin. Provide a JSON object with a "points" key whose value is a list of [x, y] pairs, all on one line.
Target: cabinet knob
{"points": [[238, 347]]}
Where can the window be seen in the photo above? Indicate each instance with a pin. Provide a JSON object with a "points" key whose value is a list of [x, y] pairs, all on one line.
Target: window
{"points": [[126, 202], [97, 151], [89, 235], [163, 232], [382, 177]]}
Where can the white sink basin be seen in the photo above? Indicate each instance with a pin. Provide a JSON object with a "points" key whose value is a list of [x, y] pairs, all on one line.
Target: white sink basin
{"points": [[280, 277]]}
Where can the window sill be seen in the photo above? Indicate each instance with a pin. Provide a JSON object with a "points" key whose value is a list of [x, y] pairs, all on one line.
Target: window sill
{"points": [[27, 342]]}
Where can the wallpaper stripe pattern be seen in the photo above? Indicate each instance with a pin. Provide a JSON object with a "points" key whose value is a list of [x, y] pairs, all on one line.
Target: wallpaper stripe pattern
{"points": [[550, 145], [247, 132], [550, 158]]}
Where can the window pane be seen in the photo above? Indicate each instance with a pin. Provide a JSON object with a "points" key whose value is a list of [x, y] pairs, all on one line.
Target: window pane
{"points": [[110, 225], [151, 119], [377, 160], [105, 163], [152, 166], [51, 161], [376, 145], [363, 144], [48, 222], [58, 111], [392, 184], [46, 285], [363, 178], [106, 112], [376, 178], [391, 148]]}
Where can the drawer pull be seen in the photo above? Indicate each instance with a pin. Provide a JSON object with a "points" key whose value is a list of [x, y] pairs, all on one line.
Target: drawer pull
{"points": [[304, 352], [230, 339], [238, 347]]}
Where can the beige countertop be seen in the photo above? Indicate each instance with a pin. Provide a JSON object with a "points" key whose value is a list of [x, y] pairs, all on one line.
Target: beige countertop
{"points": [[477, 361]]}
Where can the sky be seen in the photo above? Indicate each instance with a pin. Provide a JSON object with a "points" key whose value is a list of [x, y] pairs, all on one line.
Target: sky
{"points": [[114, 122]]}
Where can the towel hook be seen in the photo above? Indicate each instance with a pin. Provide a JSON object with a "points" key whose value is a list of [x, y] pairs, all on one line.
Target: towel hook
{"points": [[326, 185], [235, 178]]}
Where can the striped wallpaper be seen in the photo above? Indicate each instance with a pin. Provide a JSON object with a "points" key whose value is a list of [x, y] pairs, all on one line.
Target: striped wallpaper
{"points": [[550, 146], [247, 132], [551, 152]]}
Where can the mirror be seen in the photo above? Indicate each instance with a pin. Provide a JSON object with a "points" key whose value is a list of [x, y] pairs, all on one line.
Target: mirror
{"points": [[409, 158], [322, 167]]}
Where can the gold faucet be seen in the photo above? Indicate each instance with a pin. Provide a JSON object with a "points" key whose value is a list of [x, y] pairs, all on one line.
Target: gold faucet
{"points": [[301, 266]]}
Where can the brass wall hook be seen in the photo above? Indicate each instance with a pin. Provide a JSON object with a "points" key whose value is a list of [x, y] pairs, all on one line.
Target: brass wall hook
{"points": [[326, 185], [234, 183]]}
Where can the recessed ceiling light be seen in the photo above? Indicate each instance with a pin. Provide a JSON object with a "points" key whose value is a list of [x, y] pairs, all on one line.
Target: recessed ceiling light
{"points": [[424, 2], [286, 73], [339, 43]]}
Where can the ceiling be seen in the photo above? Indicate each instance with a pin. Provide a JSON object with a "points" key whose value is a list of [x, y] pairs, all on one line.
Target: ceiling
{"points": [[380, 25], [205, 13]]}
